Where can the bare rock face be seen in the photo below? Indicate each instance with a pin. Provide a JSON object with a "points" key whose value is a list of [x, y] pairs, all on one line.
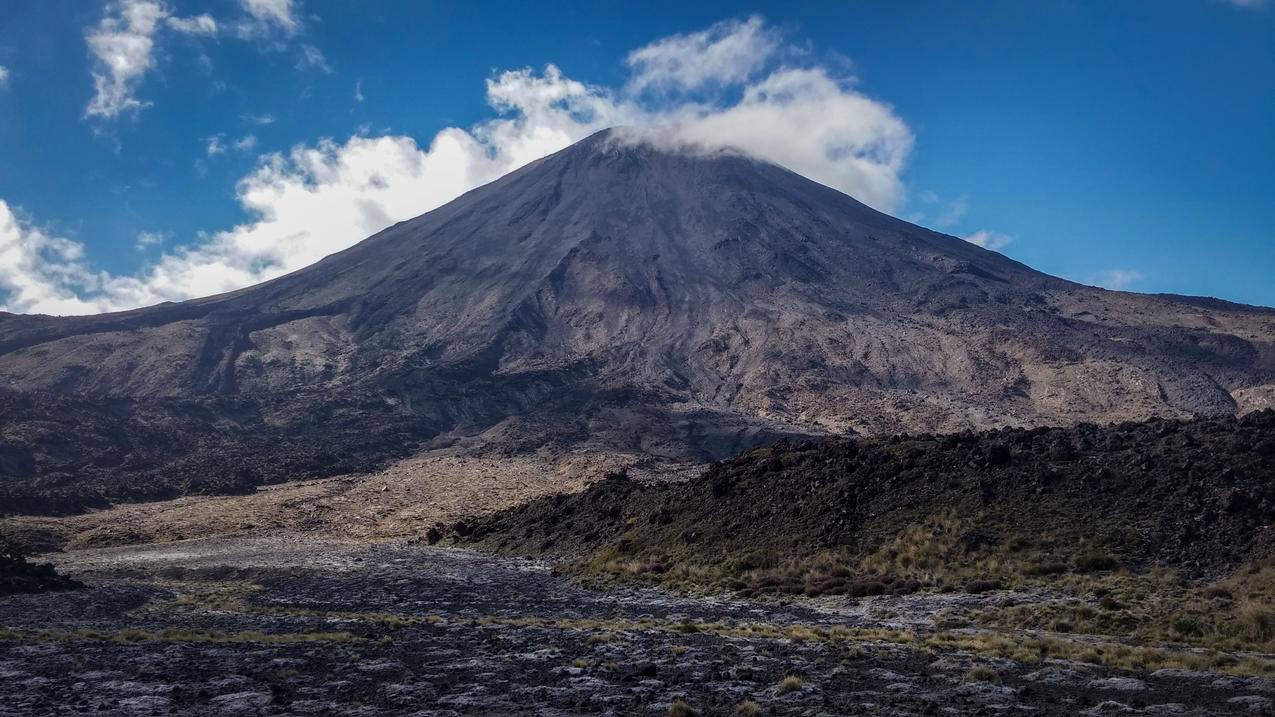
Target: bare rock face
{"points": [[612, 297]]}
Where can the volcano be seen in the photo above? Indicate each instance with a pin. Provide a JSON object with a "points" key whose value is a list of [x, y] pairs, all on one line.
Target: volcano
{"points": [[612, 298]]}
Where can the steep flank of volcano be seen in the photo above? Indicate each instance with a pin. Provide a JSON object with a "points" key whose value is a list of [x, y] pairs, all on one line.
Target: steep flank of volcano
{"points": [[612, 298]]}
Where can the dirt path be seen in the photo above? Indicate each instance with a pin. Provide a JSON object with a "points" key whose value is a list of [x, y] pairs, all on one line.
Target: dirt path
{"points": [[279, 626]]}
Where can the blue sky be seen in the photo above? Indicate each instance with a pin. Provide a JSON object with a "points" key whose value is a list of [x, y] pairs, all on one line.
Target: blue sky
{"points": [[1128, 144]]}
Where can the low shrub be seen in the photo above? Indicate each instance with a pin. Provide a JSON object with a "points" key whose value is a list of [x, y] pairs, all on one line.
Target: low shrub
{"points": [[791, 683], [1186, 625], [679, 708], [981, 673], [1094, 561], [1257, 621]]}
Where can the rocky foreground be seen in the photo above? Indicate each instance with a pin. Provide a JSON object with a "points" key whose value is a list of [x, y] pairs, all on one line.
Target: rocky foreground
{"points": [[272, 626]]}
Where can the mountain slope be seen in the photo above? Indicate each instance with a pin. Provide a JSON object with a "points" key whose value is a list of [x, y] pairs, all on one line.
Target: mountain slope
{"points": [[614, 298]]}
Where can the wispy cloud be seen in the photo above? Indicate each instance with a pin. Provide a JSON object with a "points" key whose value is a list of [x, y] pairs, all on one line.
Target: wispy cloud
{"points": [[929, 209], [145, 240], [312, 58], [952, 214], [122, 46], [4, 76], [214, 145], [196, 25], [267, 15], [358, 91], [990, 240], [317, 199], [258, 119], [726, 53], [1116, 279]]}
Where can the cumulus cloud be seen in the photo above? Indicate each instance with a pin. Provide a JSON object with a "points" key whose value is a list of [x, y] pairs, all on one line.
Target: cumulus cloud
{"points": [[1117, 279], [122, 46], [42, 272], [805, 120], [4, 75], [992, 241], [267, 15], [726, 53], [317, 199]]}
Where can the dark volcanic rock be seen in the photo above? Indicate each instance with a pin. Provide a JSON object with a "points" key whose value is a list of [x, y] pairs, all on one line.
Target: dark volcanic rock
{"points": [[1197, 495], [385, 629], [19, 575], [610, 297]]}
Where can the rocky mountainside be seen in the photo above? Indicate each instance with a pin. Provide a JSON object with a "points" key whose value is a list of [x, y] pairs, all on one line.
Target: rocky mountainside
{"points": [[611, 298], [1197, 496]]}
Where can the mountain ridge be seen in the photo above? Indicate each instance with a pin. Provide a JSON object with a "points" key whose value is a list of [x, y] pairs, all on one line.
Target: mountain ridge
{"points": [[610, 298]]}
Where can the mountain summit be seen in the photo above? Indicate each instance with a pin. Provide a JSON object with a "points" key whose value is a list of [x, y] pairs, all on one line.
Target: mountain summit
{"points": [[613, 298]]}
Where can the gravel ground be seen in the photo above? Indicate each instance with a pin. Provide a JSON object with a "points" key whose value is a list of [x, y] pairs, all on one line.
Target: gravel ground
{"points": [[280, 626]]}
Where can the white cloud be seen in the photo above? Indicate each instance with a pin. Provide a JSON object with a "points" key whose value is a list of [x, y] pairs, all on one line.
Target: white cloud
{"points": [[258, 119], [358, 90], [314, 200], [726, 53], [268, 14], [122, 46], [4, 75], [810, 123], [992, 241], [312, 58], [1117, 279], [214, 145], [195, 25], [42, 272], [149, 239]]}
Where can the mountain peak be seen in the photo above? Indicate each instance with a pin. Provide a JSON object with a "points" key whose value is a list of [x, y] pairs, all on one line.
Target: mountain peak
{"points": [[620, 297]]}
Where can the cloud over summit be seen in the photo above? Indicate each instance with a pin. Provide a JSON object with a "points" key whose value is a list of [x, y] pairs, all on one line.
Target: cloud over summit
{"points": [[727, 53], [723, 87]]}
